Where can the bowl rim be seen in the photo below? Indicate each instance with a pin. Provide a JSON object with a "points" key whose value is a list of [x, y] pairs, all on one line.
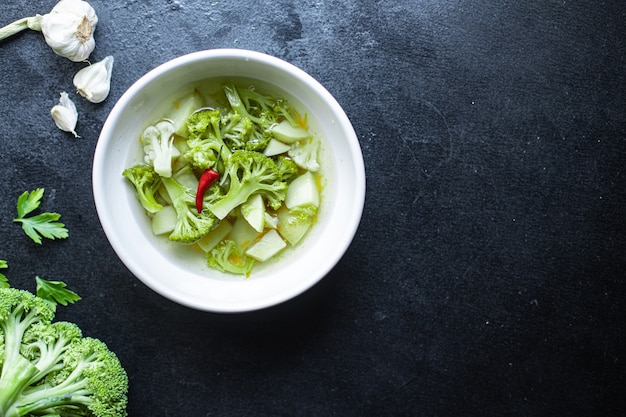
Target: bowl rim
{"points": [[98, 172]]}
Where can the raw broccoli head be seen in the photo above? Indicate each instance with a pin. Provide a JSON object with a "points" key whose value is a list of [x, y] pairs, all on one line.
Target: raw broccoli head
{"points": [[146, 181], [190, 225], [227, 256], [50, 368], [44, 344], [94, 374], [250, 172]]}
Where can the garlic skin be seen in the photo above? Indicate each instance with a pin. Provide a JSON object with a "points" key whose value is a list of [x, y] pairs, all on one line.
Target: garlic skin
{"points": [[68, 29], [65, 115], [94, 82]]}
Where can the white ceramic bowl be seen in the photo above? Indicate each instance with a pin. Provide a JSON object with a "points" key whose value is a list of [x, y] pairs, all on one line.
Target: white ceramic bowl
{"points": [[181, 274]]}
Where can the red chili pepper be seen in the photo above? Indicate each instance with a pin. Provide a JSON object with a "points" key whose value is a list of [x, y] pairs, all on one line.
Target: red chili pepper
{"points": [[208, 177]]}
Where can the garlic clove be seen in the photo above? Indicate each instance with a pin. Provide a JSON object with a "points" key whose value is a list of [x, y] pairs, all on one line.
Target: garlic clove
{"points": [[94, 82], [65, 115], [68, 29]]}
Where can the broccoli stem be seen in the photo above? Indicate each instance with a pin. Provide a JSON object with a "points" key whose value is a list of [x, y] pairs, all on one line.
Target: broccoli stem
{"points": [[71, 391], [16, 373], [46, 403], [235, 102]]}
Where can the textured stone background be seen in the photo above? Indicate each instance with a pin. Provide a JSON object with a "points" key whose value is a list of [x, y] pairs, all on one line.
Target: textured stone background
{"points": [[487, 278]]}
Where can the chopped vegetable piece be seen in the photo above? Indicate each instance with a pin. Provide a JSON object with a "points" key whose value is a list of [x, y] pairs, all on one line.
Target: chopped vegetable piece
{"points": [[269, 245], [287, 133], [243, 234], [164, 221], [254, 212], [303, 192], [271, 222], [215, 236], [275, 147], [294, 224], [183, 108]]}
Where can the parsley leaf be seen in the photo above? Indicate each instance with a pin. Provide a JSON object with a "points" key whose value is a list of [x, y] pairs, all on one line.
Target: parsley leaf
{"points": [[4, 281], [28, 202], [55, 292], [42, 225]]}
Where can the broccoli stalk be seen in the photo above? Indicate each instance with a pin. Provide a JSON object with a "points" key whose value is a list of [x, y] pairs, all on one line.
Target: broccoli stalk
{"points": [[248, 173], [234, 99], [49, 368], [19, 310], [146, 183], [190, 225]]}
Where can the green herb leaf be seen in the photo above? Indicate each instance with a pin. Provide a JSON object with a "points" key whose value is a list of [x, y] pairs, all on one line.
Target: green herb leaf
{"points": [[27, 202], [4, 281], [55, 292], [42, 225]]}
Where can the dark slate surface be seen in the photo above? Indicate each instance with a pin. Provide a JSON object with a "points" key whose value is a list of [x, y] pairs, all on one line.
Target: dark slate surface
{"points": [[487, 277]]}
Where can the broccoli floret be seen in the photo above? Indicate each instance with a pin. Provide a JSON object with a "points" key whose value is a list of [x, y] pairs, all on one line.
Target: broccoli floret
{"points": [[259, 109], [250, 172], [258, 104], [238, 105], [287, 167], [305, 153], [204, 123], [205, 140], [227, 256], [202, 154], [236, 130], [240, 132], [146, 182], [158, 146], [50, 368], [283, 111], [190, 225]]}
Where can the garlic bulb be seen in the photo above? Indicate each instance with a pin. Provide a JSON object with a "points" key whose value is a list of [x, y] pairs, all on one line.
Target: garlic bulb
{"points": [[94, 82], [65, 115], [68, 29]]}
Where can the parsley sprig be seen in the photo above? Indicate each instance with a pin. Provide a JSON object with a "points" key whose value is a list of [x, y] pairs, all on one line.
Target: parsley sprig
{"points": [[55, 292], [41, 225], [4, 281]]}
